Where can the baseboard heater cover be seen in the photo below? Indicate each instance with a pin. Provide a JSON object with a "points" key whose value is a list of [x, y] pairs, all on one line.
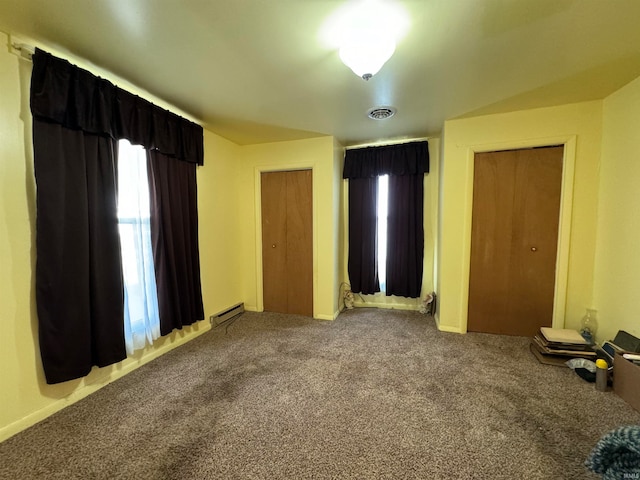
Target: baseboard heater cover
{"points": [[227, 314]]}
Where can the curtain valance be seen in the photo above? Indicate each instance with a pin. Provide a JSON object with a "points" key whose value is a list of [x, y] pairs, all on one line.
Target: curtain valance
{"points": [[65, 94], [403, 159]]}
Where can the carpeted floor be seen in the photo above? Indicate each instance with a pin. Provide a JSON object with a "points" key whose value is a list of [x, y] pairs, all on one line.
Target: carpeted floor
{"points": [[373, 395]]}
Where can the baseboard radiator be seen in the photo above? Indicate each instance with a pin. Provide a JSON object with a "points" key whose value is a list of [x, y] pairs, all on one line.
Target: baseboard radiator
{"points": [[227, 314]]}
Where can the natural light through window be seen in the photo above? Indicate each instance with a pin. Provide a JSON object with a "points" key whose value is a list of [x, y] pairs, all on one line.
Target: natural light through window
{"points": [[140, 300], [383, 197]]}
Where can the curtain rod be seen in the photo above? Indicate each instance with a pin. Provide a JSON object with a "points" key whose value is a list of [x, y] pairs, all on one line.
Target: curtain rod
{"points": [[386, 143], [23, 50]]}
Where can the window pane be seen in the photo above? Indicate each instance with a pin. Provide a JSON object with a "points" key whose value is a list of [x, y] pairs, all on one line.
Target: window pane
{"points": [[128, 252], [383, 197], [133, 187], [141, 303]]}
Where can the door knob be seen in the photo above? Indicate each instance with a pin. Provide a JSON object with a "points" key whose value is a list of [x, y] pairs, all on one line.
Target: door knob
{"points": [[273, 246], [534, 249]]}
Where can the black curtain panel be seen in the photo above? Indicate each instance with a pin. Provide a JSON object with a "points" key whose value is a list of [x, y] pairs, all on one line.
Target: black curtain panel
{"points": [[403, 159], [405, 235], [77, 120], [79, 288], [174, 240], [363, 263], [75, 98], [406, 165]]}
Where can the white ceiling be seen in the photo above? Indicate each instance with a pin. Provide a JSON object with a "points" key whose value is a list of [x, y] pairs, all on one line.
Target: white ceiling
{"points": [[258, 70]]}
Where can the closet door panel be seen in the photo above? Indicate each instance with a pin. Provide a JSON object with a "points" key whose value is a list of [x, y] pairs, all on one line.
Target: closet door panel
{"points": [[287, 241], [514, 240]]}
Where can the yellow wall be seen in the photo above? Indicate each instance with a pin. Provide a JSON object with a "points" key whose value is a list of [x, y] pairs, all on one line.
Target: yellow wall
{"points": [[617, 260], [430, 206], [24, 395], [579, 127], [431, 192], [20, 375], [339, 220], [219, 225], [318, 154]]}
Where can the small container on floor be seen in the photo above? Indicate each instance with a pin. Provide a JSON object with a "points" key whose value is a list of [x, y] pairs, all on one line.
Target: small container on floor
{"points": [[602, 372]]}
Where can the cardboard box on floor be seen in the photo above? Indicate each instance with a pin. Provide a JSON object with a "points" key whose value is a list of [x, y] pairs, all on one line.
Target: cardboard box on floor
{"points": [[626, 381]]}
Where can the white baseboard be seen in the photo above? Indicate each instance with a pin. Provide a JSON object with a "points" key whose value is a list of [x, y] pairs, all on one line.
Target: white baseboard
{"points": [[319, 316], [388, 306], [446, 328]]}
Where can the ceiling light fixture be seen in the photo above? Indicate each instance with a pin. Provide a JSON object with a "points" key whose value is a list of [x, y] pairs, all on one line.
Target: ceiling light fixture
{"points": [[366, 32], [366, 56]]}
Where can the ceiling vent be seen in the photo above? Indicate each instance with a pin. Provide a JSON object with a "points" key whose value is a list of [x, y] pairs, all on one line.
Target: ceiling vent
{"points": [[381, 113]]}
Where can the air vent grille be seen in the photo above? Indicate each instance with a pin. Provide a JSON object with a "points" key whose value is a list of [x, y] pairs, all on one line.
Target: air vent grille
{"points": [[381, 113]]}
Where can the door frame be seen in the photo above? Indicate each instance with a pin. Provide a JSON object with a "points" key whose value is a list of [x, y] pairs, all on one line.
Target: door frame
{"points": [[258, 171], [564, 230]]}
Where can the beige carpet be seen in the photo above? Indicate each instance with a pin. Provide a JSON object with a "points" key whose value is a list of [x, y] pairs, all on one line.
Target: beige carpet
{"points": [[375, 394]]}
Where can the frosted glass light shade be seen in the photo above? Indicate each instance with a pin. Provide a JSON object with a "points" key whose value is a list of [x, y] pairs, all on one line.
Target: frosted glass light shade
{"points": [[366, 56]]}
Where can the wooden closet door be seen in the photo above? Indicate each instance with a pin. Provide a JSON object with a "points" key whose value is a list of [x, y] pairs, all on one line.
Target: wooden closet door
{"points": [[514, 239], [299, 242], [287, 242], [274, 241]]}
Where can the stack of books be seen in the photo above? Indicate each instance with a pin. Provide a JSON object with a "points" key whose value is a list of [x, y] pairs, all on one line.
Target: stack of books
{"points": [[560, 344]]}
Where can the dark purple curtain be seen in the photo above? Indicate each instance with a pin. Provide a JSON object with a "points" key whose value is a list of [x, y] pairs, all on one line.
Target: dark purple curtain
{"points": [[363, 262], [79, 289], [405, 235], [406, 165], [174, 239], [403, 159], [75, 98], [77, 120]]}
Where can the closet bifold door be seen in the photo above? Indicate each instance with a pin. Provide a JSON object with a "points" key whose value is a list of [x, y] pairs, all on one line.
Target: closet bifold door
{"points": [[287, 241], [514, 240]]}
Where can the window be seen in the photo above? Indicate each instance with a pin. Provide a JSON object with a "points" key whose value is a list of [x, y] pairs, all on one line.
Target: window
{"points": [[386, 217], [81, 313], [381, 230], [141, 319]]}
